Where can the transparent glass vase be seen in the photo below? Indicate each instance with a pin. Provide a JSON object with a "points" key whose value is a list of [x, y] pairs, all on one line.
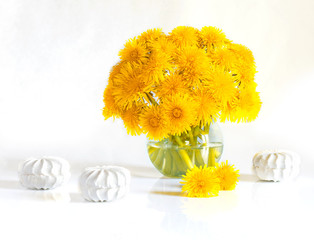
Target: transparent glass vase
{"points": [[175, 155]]}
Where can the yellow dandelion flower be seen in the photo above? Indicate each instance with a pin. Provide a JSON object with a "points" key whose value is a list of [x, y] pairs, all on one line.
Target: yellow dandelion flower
{"points": [[180, 112], [194, 65], [244, 74], [244, 107], [222, 85], [156, 67], [248, 105], [131, 119], [208, 109], [249, 87], [201, 182], [229, 111], [154, 123], [244, 68], [165, 46], [242, 52], [172, 85], [111, 109], [223, 57], [184, 36], [150, 36], [115, 70], [213, 37], [131, 86], [133, 51], [228, 175]]}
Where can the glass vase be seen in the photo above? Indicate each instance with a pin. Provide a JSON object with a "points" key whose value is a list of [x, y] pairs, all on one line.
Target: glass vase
{"points": [[174, 155]]}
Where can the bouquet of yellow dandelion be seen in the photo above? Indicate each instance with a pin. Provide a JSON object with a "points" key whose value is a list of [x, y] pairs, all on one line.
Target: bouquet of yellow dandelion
{"points": [[172, 87]]}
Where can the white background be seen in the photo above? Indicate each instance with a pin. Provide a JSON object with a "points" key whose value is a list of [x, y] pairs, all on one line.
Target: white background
{"points": [[55, 58]]}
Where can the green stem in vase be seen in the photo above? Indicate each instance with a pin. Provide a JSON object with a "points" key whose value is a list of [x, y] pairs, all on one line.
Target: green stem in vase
{"points": [[185, 157], [159, 159], [174, 166], [194, 133], [151, 150], [154, 155], [192, 138], [211, 157], [179, 163], [167, 166], [199, 161]]}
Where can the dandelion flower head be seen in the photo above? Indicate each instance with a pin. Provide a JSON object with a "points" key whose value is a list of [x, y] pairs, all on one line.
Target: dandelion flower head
{"points": [[228, 175], [201, 182]]}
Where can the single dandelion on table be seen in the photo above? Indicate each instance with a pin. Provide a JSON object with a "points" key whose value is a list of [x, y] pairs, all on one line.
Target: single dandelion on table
{"points": [[227, 175], [201, 182]]}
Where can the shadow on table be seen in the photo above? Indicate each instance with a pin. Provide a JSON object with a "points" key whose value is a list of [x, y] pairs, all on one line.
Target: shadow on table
{"points": [[10, 184], [168, 193], [248, 178], [77, 198]]}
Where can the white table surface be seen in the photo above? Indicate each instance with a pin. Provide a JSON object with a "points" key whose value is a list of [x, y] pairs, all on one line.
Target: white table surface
{"points": [[156, 209]]}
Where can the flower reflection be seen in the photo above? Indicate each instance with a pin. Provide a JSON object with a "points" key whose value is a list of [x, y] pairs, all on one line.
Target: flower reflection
{"points": [[193, 217], [52, 196], [208, 208]]}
